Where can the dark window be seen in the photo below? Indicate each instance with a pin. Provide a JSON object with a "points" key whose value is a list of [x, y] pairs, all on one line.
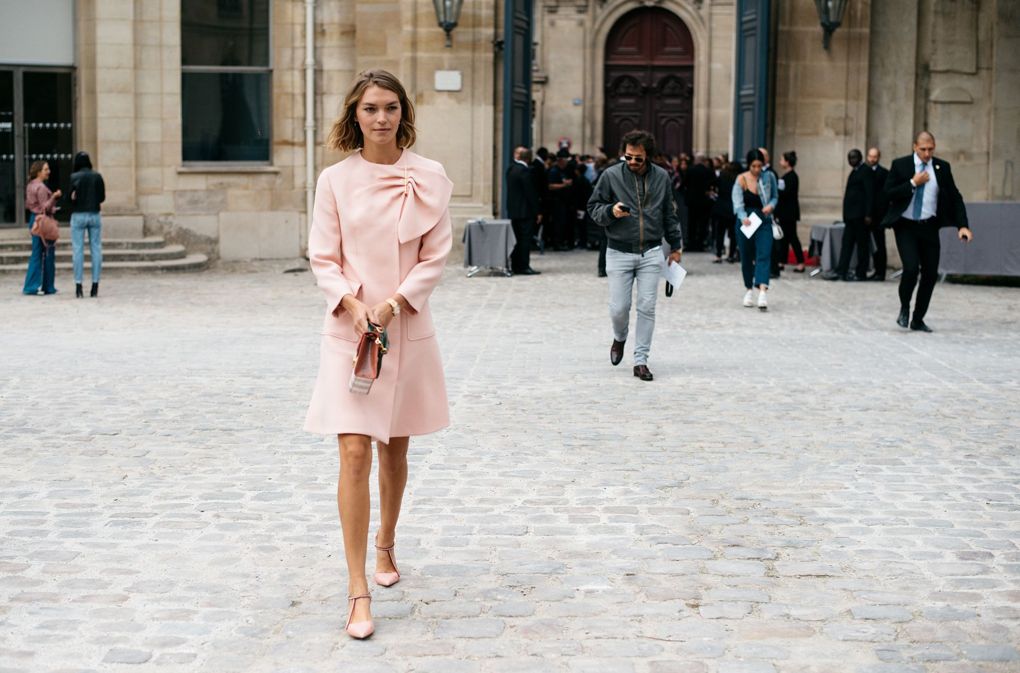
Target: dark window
{"points": [[226, 80]]}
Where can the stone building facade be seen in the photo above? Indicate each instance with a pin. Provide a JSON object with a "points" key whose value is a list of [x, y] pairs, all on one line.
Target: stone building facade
{"points": [[143, 98]]}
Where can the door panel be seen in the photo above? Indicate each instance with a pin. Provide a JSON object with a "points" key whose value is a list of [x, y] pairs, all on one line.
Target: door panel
{"points": [[8, 182], [649, 75], [49, 129]]}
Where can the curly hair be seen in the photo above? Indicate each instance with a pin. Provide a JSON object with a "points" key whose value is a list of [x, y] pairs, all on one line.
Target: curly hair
{"points": [[346, 133], [639, 137]]}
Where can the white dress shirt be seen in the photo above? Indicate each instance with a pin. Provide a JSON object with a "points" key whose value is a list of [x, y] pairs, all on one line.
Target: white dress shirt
{"points": [[930, 198]]}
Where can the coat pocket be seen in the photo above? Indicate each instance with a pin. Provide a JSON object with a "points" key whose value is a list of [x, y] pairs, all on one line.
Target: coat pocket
{"points": [[419, 325], [341, 327]]}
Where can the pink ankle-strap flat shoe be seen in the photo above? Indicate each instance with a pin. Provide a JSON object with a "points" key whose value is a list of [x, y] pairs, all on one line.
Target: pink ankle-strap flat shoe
{"points": [[388, 579], [358, 630]]}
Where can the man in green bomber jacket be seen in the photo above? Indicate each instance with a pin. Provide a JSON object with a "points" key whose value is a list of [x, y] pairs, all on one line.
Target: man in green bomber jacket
{"points": [[633, 200]]}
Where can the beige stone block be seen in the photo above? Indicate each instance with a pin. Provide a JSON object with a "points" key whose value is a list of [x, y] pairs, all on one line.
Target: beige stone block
{"points": [[248, 200], [287, 200], [149, 152], [117, 80], [149, 130], [170, 11], [114, 56], [187, 181], [116, 153], [158, 204], [148, 79], [199, 201], [201, 225], [149, 105], [112, 10], [115, 32], [111, 131], [149, 180], [259, 235], [123, 226], [115, 105], [170, 31]]}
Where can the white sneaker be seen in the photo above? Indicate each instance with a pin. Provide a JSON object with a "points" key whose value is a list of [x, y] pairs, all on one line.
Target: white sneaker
{"points": [[749, 299], [763, 302]]}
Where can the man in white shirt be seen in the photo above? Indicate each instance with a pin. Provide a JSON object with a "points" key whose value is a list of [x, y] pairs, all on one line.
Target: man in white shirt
{"points": [[922, 198]]}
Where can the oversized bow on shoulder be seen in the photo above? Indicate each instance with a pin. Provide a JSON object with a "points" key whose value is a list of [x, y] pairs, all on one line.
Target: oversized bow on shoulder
{"points": [[425, 198]]}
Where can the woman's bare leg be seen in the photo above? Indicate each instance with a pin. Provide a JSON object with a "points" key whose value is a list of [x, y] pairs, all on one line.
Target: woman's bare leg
{"points": [[353, 503], [392, 480]]}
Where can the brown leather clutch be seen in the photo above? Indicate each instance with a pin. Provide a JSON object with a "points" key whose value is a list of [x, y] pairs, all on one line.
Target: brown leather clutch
{"points": [[368, 359]]}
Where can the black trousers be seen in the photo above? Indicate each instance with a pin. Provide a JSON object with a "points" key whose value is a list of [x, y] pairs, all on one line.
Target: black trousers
{"points": [[855, 235], [520, 258], [918, 243], [790, 237], [720, 225], [881, 258]]}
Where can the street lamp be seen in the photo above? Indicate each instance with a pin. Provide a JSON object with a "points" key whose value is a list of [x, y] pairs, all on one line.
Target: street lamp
{"points": [[830, 15], [447, 13]]}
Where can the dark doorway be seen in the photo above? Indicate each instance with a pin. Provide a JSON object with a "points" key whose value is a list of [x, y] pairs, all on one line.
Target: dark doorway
{"points": [[36, 122], [650, 80]]}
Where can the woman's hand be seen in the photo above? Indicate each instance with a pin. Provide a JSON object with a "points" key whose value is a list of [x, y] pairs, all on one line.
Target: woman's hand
{"points": [[747, 221], [360, 314], [57, 194], [382, 314], [767, 209]]}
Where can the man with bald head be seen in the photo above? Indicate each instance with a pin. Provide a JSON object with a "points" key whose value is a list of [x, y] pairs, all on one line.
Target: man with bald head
{"points": [[922, 198], [879, 207]]}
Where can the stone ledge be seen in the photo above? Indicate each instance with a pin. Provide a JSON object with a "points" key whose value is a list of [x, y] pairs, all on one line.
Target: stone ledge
{"points": [[227, 168]]}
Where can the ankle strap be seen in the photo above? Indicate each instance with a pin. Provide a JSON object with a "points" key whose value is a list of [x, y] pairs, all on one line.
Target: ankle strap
{"points": [[390, 548], [354, 598]]}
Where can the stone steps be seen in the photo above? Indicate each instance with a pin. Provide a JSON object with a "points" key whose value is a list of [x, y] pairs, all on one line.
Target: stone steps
{"points": [[194, 262], [133, 253]]}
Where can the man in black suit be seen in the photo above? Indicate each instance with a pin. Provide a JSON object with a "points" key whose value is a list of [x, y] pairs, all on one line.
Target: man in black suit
{"points": [[878, 209], [860, 190], [922, 198], [522, 205]]}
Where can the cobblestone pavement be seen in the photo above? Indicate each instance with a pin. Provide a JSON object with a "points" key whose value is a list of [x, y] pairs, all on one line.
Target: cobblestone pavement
{"points": [[806, 490]]}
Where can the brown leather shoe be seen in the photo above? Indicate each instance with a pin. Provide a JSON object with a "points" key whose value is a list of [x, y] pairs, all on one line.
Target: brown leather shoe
{"points": [[616, 352], [641, 371]]}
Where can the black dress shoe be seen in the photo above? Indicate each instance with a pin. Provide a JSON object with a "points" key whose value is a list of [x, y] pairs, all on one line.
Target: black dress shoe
{"points": [[529, 272], [602, 274], [919, 326], [616, 352], [641, 371], [904, 317]]}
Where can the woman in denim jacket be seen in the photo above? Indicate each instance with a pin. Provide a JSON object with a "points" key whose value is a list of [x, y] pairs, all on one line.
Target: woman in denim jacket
{"points": [[756, 192]]}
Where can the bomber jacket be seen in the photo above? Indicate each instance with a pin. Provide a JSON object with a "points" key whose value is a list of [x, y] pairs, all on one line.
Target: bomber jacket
{"points": [[87, 191], [653, 213]]}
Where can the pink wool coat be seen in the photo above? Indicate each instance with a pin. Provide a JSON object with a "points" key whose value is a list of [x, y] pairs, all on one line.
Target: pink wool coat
{"points": [[378, 230]]}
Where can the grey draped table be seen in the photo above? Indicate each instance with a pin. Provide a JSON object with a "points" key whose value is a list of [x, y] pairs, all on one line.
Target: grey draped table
{"points": [[488, 243], [829, 237], [995, 250]]}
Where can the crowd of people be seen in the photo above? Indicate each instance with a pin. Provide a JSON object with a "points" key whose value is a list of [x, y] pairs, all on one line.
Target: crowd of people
{"points": [[551, 211]]}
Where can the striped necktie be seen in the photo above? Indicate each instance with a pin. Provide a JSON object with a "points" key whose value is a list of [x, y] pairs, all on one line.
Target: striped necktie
{"points": [[919, 196]]}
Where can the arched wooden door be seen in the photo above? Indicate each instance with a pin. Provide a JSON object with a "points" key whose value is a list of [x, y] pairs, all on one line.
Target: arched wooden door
{"points": [[649, 80]]}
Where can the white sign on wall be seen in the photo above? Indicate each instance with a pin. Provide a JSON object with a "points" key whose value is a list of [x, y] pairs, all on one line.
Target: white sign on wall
{"points": [[449, 80]]}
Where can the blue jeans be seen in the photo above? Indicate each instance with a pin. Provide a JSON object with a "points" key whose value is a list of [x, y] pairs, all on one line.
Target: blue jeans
{"points": [[42, 266], [80, 222], [755, 254], [623, 268]]}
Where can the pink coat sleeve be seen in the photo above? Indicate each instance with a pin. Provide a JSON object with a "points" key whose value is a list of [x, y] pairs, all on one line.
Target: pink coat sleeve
{"points": [[435, 247], [324, 251]]}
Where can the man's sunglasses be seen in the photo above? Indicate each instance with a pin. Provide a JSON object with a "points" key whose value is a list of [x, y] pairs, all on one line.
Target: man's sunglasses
{"points": [[637, 160]]}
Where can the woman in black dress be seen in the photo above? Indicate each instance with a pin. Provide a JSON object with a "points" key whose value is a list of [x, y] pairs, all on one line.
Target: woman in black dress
{"points": [[788, 211]]}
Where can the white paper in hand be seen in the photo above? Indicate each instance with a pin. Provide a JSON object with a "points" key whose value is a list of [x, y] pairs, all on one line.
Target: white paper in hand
{"points": [[673, 273], [749, 229]]}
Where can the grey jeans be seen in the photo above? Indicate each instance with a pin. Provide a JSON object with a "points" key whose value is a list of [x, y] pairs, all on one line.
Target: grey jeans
{"points": [[623, 268]]}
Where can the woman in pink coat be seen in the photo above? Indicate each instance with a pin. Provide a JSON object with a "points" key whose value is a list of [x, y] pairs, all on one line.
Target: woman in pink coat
{"points": [[378, 243]]}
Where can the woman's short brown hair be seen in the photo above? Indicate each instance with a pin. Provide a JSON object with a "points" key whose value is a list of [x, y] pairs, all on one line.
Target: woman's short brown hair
{"points": [[36, 168], [346, 133]]}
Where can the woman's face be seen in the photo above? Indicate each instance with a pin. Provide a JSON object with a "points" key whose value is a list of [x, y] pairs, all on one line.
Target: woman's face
{"points": [[755, 168], [44, 174], [378, 115], [784, 164]]}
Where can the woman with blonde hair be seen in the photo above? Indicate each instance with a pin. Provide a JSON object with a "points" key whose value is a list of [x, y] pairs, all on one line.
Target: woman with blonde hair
{"points": [[379, 239]]}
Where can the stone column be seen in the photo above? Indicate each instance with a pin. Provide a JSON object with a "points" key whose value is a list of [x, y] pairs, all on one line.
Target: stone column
{"points": [[114, 86], [1004, 181]]}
